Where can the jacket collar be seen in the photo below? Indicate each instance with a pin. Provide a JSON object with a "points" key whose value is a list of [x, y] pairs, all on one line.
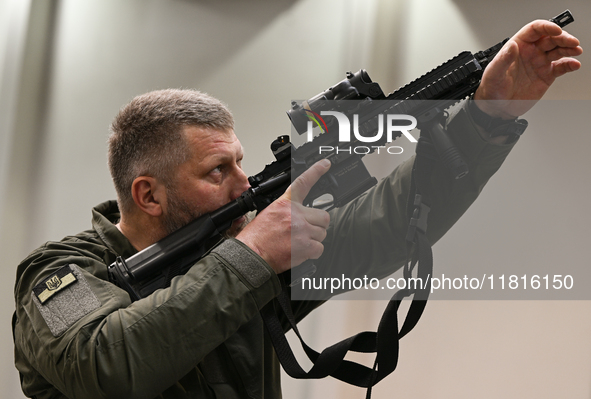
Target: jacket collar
{"points": [[104, 218]]}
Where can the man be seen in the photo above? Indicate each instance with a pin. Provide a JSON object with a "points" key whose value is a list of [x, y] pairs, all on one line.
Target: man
{"points": [[173, 156]]}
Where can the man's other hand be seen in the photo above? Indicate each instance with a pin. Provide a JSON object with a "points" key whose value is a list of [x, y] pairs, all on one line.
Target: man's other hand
{"points": [[287, 233]]}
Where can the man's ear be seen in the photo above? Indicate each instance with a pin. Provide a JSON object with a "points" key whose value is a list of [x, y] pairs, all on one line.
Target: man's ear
{"points": [[149, 195]]}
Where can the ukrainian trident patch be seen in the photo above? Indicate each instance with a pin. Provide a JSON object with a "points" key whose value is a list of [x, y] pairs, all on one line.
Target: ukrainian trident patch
{"points": [[64, 298], [54, 283]]}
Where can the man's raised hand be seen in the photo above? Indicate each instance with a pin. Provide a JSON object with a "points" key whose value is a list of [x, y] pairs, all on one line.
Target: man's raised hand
{"points": [[526, 67]]}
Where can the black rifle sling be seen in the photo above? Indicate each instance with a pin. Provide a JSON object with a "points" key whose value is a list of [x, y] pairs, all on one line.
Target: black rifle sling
{"points": [[384, 342]]}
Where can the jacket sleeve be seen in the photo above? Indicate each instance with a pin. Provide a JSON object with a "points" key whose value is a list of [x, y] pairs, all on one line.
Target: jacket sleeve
{"points": [[367, 236], [120, 349]]}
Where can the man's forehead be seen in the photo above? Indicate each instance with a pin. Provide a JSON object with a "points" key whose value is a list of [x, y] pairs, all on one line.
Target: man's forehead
{"points": [[205, 134], [207, 140]]}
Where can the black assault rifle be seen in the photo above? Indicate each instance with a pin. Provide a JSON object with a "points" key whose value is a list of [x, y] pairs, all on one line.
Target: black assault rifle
{"points": [[457, 79]]}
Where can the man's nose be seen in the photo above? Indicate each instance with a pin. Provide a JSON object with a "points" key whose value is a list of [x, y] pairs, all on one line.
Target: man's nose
{"points": [[241, 184]]}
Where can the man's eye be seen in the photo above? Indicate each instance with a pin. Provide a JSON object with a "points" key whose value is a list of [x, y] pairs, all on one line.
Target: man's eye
{"points": [[217, 169]]}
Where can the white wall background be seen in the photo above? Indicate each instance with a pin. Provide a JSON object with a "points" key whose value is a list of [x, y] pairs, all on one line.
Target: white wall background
{"points": [[67, 66]]}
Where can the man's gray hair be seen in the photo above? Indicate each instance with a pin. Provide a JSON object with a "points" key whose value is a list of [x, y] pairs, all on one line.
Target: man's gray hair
{"points": [[147, 135]]}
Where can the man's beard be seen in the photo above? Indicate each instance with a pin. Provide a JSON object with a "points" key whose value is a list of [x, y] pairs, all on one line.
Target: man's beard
{"points": [[180, 213]]}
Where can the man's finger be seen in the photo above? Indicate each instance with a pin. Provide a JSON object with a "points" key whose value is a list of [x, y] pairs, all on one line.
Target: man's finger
{"points": [[564, 66], [564, 40], [535, 30], [318, 217], [301, 186]]}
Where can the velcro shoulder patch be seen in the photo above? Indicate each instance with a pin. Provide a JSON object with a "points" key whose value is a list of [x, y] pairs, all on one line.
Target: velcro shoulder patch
{"points": [[64, 298]]}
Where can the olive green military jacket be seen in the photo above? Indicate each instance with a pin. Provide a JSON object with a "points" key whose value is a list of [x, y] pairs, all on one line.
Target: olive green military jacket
{"points": [[79, 336]]}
